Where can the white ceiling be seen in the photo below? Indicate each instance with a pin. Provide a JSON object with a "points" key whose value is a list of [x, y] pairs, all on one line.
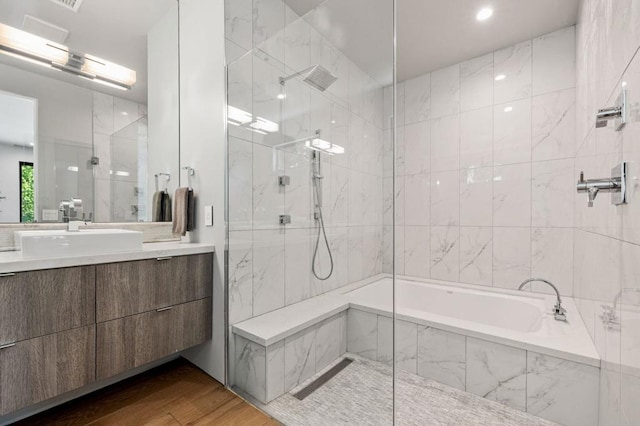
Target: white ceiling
{"points": [[17, 126], [432, 34], [115, 30]]}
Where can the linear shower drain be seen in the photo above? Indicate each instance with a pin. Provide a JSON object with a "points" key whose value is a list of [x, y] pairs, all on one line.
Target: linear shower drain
{"points": [[317, 383]]}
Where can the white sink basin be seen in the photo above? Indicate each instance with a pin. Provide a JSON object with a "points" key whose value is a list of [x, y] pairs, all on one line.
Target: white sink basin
{"points": [[34, 244]]}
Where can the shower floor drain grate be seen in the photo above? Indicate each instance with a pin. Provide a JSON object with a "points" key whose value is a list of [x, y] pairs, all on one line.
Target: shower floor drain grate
{"points": [[317, 383]]}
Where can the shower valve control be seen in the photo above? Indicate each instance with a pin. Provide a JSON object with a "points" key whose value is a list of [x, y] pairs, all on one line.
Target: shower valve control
{"points": [[285, 219], [616, 185], [284, 180]]}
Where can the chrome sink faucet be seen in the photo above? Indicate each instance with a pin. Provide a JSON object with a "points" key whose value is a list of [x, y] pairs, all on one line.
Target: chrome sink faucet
{"points": [[72, 214], [558, 311]]}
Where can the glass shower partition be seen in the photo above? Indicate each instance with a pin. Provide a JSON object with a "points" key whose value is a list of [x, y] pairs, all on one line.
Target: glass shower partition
{"points": [[309, 187]]}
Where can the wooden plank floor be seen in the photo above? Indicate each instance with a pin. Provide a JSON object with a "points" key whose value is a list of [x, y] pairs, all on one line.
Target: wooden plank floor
{"points": [[174, 394]]}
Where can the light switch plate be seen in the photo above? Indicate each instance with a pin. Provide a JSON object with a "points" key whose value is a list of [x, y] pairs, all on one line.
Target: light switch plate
{"points": [[208, 215]]}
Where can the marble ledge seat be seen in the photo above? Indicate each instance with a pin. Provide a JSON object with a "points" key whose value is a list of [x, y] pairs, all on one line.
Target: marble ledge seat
{"points": [[275, 352]]}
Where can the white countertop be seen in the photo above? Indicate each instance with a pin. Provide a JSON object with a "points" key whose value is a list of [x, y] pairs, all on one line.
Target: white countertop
{"points": [[12, 261]]}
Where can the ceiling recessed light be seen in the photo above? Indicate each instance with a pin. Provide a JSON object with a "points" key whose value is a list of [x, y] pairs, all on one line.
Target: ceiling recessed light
{"points": [[282, 96], [500, 77], [484, 14], [508, 109]]}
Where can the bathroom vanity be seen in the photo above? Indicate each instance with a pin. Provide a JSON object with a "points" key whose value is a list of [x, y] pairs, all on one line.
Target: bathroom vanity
{"points": [[69, 322]]}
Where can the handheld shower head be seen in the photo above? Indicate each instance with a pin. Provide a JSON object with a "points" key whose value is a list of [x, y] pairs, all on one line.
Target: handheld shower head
{"points": [[315, 76]]}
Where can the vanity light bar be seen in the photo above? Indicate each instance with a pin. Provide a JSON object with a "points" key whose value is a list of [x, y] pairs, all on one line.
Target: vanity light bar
{"points": [[26, 46]]}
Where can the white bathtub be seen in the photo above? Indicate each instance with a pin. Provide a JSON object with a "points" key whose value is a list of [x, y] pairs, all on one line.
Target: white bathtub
{"points": [[519, 319]]}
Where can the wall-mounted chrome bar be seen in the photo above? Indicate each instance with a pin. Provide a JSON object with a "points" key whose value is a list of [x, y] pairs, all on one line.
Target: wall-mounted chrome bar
{"points": [[616, 185], [7, 346], [167, 177], [168, 308], [7, 274], [164, 258]]}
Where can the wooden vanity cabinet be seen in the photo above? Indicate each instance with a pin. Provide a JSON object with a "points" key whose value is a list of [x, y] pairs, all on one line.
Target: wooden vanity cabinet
{"points": [[37, 303], [150, 309], [130, 288], [61, 329]]}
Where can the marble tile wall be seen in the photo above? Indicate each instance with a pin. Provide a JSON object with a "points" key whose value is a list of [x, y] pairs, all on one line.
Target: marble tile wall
{"points": [[556, 389], [268, 372], [485, 168], [270, 264], [607, 246]]}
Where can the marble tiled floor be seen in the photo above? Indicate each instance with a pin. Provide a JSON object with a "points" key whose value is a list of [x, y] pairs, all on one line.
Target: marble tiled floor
{"points": [[361, 394]]}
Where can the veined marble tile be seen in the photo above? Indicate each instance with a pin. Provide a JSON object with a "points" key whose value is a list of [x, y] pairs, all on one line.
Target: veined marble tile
{"points": [[240, 93], [299, 357], [554, 125], [515, 64], [370, 105], [328, 342], [476, 197], [445, 91], [441, 356], [295, 110], [553, 186], [125, 112], [297, 41], [476, 255], [554, 61], [445, 198], [268, 27], [356, 89], [297, 264], [476, 83], [405, 356], [400, 105], [445, 253], [610, 408], [238, 23], [240, 184], [417, 251], [497, 372], [275, 370], [268, 271], [445, 143], [512, 195], [340, 120], [476, 138], [511, 256], [268, 196], [298, 196], [338, 64], [362, 333], [372, 251], [356, 197], [240, 276], [355, 250], [552, 258], [250, 368], [417, 206], [562, 391], [355, 152], [337, 203], [512, 132], [417, 141], [417, 99], [266, 88]]}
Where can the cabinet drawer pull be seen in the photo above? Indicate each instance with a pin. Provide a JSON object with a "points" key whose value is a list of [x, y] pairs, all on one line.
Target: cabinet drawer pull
{"points": [[7, 274], [164, 309], [164, 258], [7, 346]]}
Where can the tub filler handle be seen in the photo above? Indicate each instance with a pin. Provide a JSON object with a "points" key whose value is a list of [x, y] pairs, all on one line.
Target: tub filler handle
{"points": [[559, 313]]}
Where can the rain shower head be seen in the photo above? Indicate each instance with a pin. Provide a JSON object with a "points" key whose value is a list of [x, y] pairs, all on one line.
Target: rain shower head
{"points": [[315, 76]]}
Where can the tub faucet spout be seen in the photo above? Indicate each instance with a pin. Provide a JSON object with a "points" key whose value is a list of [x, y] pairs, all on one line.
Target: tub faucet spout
{"points": [[559, 313]]}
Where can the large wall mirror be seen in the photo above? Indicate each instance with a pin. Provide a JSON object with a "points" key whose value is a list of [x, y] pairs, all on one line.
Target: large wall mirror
{"points": [[88, 108]]}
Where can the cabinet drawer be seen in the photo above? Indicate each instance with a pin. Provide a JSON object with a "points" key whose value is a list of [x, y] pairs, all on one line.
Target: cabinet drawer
{"points": [[136, 340], [37, 303], [38, 369], [130, 288]]}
